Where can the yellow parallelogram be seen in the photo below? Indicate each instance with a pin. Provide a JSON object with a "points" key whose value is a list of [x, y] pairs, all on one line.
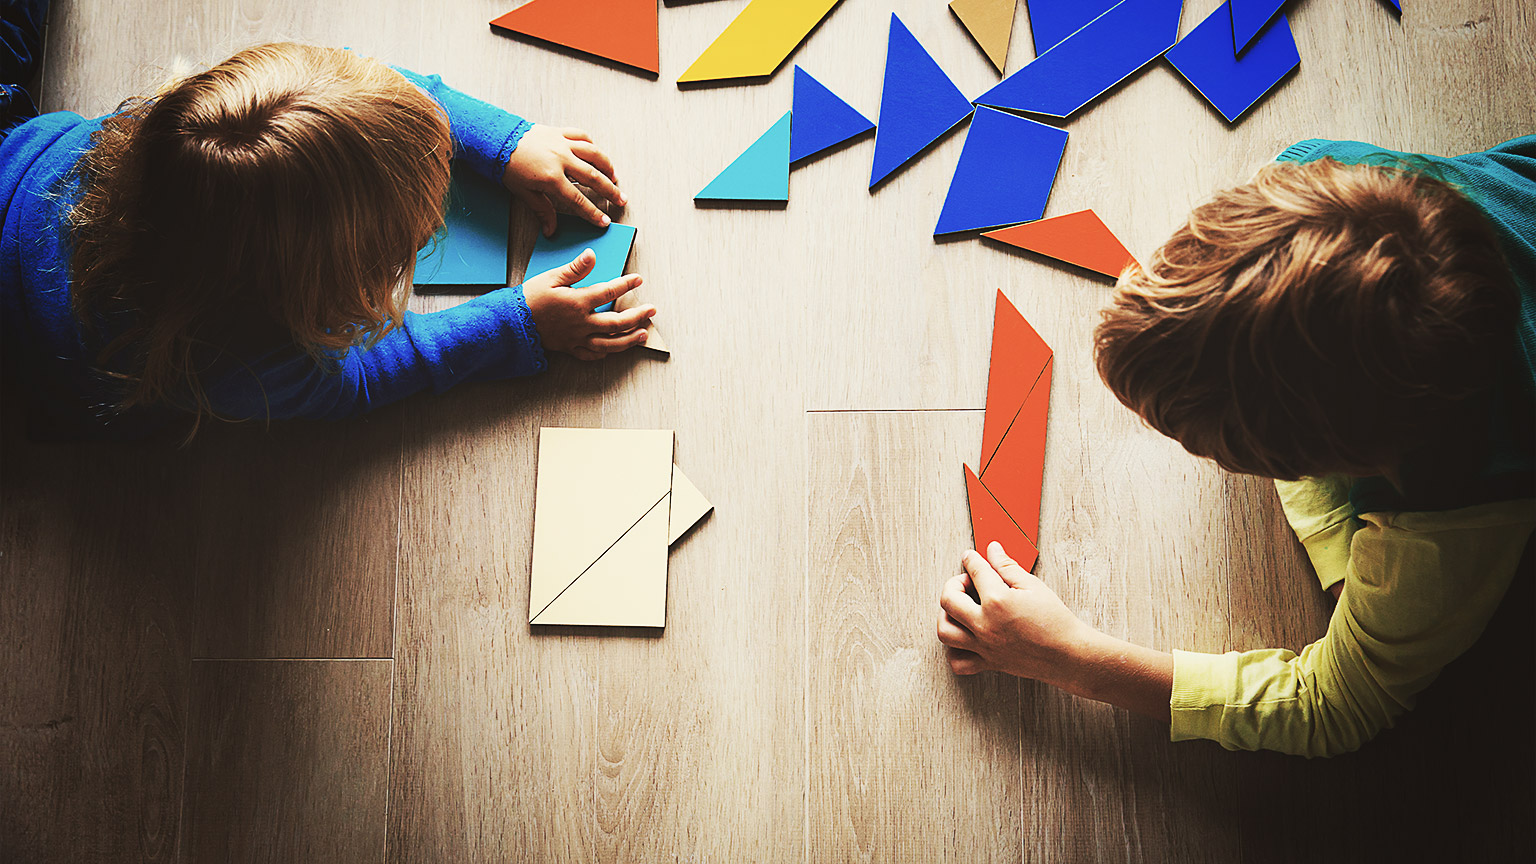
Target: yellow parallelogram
{"points": [[758, 40]]}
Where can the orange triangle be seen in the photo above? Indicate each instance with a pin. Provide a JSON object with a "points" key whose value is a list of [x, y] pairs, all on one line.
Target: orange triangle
{"points": [[1079, 238], [1018, 355], [990, 522], [620, 30], [1016, 473]]}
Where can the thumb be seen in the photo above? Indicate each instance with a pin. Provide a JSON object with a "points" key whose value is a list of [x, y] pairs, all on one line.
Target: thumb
{"points": [[578, 269], [1005, 566]]}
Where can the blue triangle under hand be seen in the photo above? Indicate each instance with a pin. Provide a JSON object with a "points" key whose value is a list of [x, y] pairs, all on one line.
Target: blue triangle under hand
{"points": [[1051, 21], [918, 103], [1082, 66], [1249, 17], [1005, 172], [1206, 58], [822, 119], [760, 173]]}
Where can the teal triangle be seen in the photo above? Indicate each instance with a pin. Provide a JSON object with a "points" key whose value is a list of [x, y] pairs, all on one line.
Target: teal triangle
{"points": [[822, 118], [760, 173]]}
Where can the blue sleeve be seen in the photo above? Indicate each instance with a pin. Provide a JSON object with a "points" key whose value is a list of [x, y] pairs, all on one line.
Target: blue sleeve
{"points": [[490, 337], [483, 135]]}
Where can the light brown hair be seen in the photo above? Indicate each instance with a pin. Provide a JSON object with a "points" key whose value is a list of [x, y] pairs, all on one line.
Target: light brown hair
{"points": [[282, 194], [1322, 318]]}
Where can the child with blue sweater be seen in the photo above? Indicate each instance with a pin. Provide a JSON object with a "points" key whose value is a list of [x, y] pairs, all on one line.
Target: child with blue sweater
{"points": [[238, 246]]}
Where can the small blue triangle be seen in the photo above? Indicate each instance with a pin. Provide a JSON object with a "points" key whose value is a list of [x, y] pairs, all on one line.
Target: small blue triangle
{"points": [[822, 119], [918, 103], [1249, 17], [760, 173], [1051, 21], [1005, 172], [1082, 66]]}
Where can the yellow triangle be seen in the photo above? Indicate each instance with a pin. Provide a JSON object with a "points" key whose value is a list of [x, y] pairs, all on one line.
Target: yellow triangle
{"points": [[758, 40], [990, 23]]}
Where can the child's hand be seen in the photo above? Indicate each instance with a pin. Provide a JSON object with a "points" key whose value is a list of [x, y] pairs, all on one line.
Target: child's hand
{"points": [[546, 166], [565, 318], [1017, 625]]}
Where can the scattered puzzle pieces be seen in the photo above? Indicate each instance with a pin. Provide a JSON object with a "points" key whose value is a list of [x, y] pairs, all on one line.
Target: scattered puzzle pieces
{"points": [[1089, 62], [623, 31], [1247, 18], [758, 40], [1005, 494], [472, 253], [1232, 83], [990, 23], [760, 173], [1005, 172], [1079, 238], [1051, 21], [821, 119], [918, 103], [573, 234]]}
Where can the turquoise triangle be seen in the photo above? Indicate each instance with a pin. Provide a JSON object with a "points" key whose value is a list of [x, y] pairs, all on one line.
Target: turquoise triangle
{"points": [[761, 173]]}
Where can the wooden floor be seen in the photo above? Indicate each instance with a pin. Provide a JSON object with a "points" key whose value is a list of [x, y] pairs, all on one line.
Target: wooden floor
{"points": [[310, 643]]}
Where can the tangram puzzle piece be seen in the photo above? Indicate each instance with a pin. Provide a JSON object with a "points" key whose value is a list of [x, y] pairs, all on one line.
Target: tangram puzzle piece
{"points": [[758, 40], [760, 173], [653, 340], [600, 539], [821, 119], [1247, 18], [1051, 21], [573, 234], [1232, 83], [1079, 238], [1090, 61], [918, 103], [473, 250], [1396, 5], [1005, 494], [990, 23], [620, 30], [1005, 172]]}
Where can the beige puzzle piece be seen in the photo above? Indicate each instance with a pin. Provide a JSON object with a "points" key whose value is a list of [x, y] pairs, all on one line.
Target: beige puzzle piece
{"points": [[688, 505], [990, 23], [626, 586], [653, 340], [583, 507]]}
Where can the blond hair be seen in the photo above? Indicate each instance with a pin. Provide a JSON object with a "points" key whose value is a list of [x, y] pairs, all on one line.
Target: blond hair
{"points": [[279, 195], [1321, 318]]}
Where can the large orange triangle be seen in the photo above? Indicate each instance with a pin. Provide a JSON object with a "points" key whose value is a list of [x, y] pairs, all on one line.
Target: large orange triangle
{"points": [[1016, 473], [1079, 238], [990, 522], [620, 30], [1018, 355]]}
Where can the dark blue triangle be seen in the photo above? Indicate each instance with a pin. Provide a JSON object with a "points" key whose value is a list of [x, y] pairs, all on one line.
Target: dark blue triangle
{"points": [[918, 103], [822, 119], [1005, 172], [1051, 21]]}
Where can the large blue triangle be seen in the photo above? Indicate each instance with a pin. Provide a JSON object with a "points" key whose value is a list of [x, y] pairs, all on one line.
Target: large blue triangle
{"points": [[1051, 21], [822, 119], [918, 103], [760, 173], [1082, 66], [1005, 172]]}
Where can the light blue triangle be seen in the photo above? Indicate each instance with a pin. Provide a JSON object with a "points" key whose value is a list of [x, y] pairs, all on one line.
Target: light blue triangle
{"points": [[760, 173], [822, 119]]}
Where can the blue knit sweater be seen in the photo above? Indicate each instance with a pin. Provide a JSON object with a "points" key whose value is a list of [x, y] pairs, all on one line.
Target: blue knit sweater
{"points": [[490, 337]]}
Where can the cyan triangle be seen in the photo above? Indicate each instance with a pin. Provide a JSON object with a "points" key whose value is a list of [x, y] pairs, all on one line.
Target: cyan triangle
{"points": [[918, 103], [760, 173], [822, 119], [1005, 172], [1051, 21]]}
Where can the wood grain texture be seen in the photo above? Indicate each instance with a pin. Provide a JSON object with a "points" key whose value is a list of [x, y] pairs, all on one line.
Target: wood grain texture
{"points": [[287, 761]]}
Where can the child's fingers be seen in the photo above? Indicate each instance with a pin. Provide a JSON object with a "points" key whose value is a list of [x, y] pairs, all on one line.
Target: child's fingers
{"points": [[615, 344], [599, 159], [594, 179], [582, 204], [963, 662], [622, 322], [953, 635], [959, 605], [539, 204], [1006, 567], [607, 292], [986, 580], [576, 135]]}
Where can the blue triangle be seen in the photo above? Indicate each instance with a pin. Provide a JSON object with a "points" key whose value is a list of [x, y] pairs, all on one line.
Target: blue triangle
{"points": [[1005, 172], [1082, 66], [822, 119], [760, 173], [918, 103], [1051, 21], [1249, 17]]}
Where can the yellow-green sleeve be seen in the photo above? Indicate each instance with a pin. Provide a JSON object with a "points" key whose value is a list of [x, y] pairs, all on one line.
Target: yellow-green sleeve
{"points": [[1418, 590], [1319, 511]]}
